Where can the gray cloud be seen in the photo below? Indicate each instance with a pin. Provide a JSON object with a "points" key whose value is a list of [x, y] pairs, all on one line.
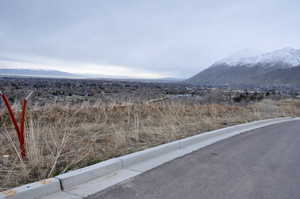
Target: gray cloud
{"points": [[169, 38]]}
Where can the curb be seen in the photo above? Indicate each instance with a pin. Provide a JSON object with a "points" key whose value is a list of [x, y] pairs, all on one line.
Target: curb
{"points": [[87, 181], [80, 176], [33, 190]]}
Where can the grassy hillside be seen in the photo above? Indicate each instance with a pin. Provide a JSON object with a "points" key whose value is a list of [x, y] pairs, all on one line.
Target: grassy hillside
{"points": [[64, 137]]}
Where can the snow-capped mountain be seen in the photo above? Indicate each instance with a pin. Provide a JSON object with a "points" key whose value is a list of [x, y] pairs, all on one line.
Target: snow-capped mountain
{"points": [[287, 56], [279, 67]]}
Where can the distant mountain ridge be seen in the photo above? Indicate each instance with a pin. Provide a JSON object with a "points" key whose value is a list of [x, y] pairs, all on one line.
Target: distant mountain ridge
{"points": [[35, 73], [60, 74], [279, 67]]}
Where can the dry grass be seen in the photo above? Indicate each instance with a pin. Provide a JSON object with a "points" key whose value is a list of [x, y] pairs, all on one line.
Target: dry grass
{"points": [[64, 137]]}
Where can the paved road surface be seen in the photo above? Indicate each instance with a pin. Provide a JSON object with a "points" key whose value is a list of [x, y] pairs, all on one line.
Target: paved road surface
{"points": [[261, 164]]}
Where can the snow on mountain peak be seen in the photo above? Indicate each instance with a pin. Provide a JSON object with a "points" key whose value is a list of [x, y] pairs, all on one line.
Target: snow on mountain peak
{"points": [[288, 56]]}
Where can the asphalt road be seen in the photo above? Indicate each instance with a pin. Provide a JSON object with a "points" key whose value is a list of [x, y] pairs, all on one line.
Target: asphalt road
{"points": [[260, 164]]}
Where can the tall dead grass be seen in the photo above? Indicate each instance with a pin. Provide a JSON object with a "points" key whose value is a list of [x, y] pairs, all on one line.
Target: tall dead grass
{"points": [[64, 137]]}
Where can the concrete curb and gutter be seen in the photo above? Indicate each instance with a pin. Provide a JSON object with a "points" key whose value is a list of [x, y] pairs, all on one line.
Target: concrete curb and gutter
{"points": [[90, 180]]}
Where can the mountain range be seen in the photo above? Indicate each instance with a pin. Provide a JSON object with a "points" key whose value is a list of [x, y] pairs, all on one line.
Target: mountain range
{"points": [[16, 72], [276, 68], [36, 73], [250, 68]]}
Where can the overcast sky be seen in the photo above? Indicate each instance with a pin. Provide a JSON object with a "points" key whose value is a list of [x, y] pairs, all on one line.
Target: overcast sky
{"points": [[141, 38]]}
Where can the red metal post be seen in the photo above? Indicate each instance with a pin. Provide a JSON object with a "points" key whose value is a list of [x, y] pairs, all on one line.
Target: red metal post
{"points": [[20, 134], [11, 114], [22, 127]]}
